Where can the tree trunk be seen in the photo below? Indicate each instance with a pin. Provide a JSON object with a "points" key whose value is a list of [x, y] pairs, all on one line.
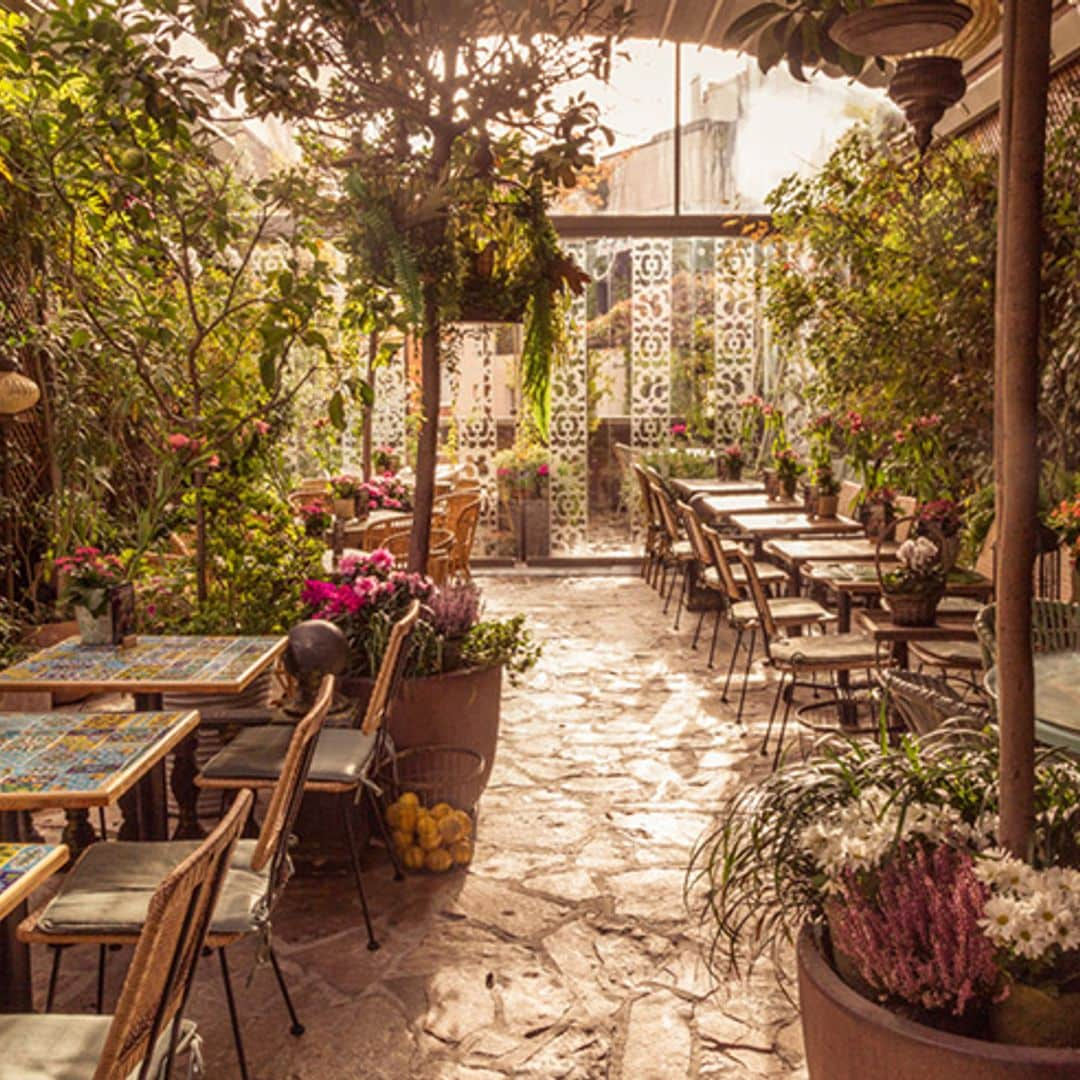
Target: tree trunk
{"points": [[369, 410], [428, 447], [1026, 61], [202, 577]]}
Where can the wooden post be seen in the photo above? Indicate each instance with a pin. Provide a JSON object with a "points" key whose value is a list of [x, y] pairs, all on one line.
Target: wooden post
{"points": [[369, 410], [428, 446], [1026, 71]]}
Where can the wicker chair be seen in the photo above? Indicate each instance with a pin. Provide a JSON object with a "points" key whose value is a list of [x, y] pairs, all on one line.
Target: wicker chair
{"points": [[143, 1036], [654, 527], [925, 702], [849, 493], [103, 900], [464, 530], [676, 554], [1055, 627]]}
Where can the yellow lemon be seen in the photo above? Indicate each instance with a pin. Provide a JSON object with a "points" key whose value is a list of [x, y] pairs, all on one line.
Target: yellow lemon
{"points": [[466, 822], [393, 815], [402, 839], [450, 829], [406, 818], [427, 835], [441, 810], [414, 858], [409, 799], [462, 853], [440, 860]]}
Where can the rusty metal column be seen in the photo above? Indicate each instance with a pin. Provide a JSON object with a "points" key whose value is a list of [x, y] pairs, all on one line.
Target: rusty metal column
{"points": [[1026, 73]]}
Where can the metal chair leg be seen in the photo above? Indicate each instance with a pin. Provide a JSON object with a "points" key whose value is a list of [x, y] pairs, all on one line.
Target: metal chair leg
{"points": [[297, 1028], [671, 588], [354, 854], [54, 974], [683, 588], [783, 726], [100, 998], [772, 712], [746, 675], [233, 1016], [388, 840], [715, 634], [697, 629], [731, 663]]}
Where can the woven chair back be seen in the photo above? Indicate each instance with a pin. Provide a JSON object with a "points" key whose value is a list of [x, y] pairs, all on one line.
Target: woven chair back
{"points": [[158, 981], [692, 525], [397, 543], [667, 516], [849, 492], [464, 530], [757, 595], [1055, 627], [287, 793], [719, 559], [391, 670]]}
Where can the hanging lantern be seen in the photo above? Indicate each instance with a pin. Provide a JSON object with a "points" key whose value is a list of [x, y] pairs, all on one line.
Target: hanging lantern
{"points": [[17, 392], [897, 27], [929, 78]]}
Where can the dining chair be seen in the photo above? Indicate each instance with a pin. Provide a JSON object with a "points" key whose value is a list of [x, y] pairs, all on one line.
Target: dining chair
{"points": [[925, 702], [104, 898], [143, 1036], [676, 554], [847, 497], [788, 611], [654, 528], [806, 655], [1055, 627], [464, 530], [344, 758], [374, 535]]}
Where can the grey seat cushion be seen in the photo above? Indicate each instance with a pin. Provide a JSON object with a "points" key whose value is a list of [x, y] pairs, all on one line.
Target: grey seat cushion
{"points": [[342, 755], [786, 610], [109, 889], [843, 650], [963, 654], [57, 1047], [960, 605]]}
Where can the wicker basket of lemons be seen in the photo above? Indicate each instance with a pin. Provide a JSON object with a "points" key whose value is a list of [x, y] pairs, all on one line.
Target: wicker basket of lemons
{"points": [[432, 815]]}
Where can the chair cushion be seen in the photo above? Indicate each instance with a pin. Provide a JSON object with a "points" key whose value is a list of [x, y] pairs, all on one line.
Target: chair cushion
{"points": [[958, 654], [960, 605], [766, 572], [109, 889], [342, 755], [841, 650], [55, 1047], [786, 610]]}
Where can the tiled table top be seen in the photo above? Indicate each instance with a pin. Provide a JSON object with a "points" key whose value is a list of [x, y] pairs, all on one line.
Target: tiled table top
{"points": [[191, 664], [80, 760], [23, 867]]}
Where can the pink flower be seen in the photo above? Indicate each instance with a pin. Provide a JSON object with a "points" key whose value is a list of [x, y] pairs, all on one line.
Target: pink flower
{"points": [[213, 461], [381, 559], [544, 469], [177, 441], [678, 429], [261, 427]]}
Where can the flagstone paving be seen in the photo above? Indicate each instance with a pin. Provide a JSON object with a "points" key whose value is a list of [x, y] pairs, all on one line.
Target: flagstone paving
{"points": [[567, 952]]}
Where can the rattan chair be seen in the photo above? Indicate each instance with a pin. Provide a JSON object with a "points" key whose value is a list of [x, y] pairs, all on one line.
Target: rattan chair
{"points": [[103, 900], [848, 496], [464, 530], [807, 655], [147, 1029], [675, 555], [1055, 627], [654, 526], [344, 757], [924, 702]]}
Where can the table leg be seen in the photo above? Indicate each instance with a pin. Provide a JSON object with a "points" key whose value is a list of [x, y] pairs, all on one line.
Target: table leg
{"points": [[185, 769], [78, 833], [15, 993], [843, 612], [795, 581]]}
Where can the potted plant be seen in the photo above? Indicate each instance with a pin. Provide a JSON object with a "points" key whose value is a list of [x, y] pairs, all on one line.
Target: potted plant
{"points": [[1065, 521], [788, 470], [386, 492], [918, 942], [385, 459], [524, 474], [876, 510], [733, 461], [343, 491], [942, 519], [826, 490], [452, 688], [316, 519], [89, 576], [913, 591]]}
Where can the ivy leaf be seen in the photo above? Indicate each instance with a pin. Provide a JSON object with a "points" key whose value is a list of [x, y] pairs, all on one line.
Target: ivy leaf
{"points": [[336, 410], [750, 22], [268, 370], [366, 393], [772, 44]]}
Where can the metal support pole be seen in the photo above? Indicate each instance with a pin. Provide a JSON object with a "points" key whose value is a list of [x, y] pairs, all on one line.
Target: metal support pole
{"points": [[678, 128], [1026, 67]]}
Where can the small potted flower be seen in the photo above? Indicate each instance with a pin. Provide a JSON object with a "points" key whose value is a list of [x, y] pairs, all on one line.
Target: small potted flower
{"points": [[88, 579], [826, 491], [1065, 521], [942, 519], [788, 470], [386, 492], [914, 589], [733, 461], [524, 476], [316, 519], [679, 432], [877, 509], [385, 459], [343, 490]]}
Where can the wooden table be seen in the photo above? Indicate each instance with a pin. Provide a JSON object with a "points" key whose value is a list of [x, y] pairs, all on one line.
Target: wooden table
{"points": [[762, 527], [846, 580], [794, 554], [691, 488], [81, 761], [23, 867], [714, 507], [879, 624], [1057, 698], [152, 667]]}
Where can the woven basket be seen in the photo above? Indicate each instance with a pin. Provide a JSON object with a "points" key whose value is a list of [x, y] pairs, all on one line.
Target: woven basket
{"points": [[450, 774], [909, 609]]}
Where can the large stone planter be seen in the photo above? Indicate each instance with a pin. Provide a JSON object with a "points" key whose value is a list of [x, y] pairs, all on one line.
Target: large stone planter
{"points": [[848, 1037], [531, 519]]}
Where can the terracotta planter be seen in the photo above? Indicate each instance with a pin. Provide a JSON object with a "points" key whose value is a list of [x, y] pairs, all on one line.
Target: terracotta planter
{"points": [[732, 469], [345, 509], [772, 483], [531, 519], [848, 1037], [788, 485], [827, 505]]}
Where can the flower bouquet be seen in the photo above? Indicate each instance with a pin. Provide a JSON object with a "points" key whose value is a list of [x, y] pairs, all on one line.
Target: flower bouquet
{"points": [[386, 492], [943, 519], [316, 519], [788, 470], [877, 508], [88, 578], [913, 591], [733, 461], [1065, 521]]}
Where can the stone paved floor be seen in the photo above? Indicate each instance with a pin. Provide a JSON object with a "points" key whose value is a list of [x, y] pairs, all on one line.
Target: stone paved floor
{"points": [[567, 951]]}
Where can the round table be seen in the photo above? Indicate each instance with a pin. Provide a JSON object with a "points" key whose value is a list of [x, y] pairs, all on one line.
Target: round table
{"points": [[1057, 698]]}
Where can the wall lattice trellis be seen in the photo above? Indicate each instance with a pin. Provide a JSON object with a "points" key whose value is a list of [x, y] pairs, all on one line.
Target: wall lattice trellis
{"points": [[388, 412], [736, 320], [650, 394], [477, 433]]}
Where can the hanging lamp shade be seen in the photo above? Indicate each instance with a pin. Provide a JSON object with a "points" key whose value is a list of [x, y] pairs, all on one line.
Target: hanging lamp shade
{"points": [[17, 393], [897, 27]]}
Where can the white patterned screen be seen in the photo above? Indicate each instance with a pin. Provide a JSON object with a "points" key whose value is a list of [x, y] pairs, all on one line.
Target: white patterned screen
{"points": [[650, 393]]}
